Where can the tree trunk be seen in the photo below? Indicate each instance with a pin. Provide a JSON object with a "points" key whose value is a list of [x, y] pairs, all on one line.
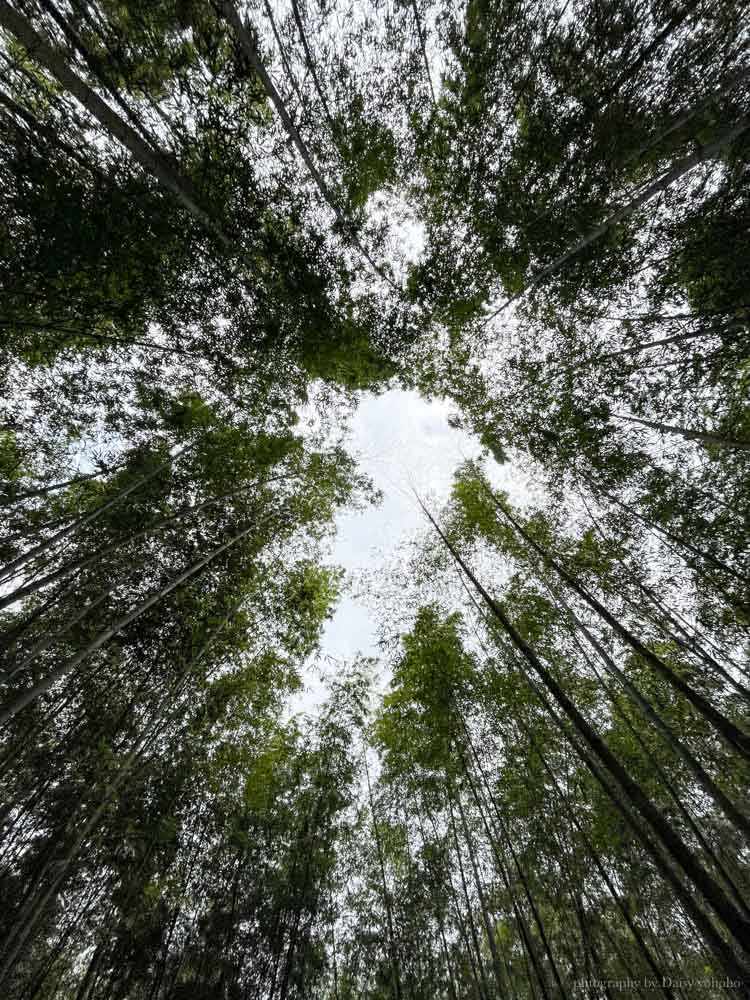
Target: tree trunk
{"points": [[49, 639], [103, 637], [31, 588], [467, 899], [521, 874], [677, 19], [310, 63], [735, 923], [486, 920], [682, 542], [738, 740], [664, 778], [395, 972], [422, 46], [679, 170], [619, 902], [706, 782], [677, 338], [36, 906], [249, 49], [693, 110], [77, 43], [48, 134], [44, 490], [480, 992], [152, 160], [703, 436], [9, 571]]}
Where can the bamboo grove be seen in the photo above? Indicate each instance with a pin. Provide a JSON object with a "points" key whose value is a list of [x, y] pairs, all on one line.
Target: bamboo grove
{"points": [[221, 226]]}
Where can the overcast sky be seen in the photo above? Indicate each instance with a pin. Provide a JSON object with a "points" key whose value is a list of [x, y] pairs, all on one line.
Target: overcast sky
{"points": [[399, 439]]}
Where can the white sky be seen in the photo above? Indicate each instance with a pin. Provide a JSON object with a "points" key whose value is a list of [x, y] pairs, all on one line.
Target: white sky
{"points": [[399, 440]]}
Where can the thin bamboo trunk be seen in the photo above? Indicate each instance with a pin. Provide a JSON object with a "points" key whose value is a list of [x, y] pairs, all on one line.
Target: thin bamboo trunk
{"points": [[678, 338], [704, 437], [395, 971], [621, 782], [706, 782], [45, 490], [738, 740], [310, 63], [670, 177], [521, 874], [423, 49], [481, 994], [154, 161], [486, 919], [11, 568], [632, 511], [104, 636], [248, 45], [684, 812], [470, 917], [82, 563]]}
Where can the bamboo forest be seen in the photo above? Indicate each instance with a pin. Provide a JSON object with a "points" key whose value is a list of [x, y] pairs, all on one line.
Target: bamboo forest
{"points": [[231, 231]]}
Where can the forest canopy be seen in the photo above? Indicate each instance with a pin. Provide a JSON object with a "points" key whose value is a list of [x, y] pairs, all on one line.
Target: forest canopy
{"points": [[223, 227]]}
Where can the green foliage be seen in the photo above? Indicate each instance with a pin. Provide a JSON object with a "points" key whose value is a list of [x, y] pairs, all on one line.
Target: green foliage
{"points": [[368, 149], [189, 288], [11, 459]]}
